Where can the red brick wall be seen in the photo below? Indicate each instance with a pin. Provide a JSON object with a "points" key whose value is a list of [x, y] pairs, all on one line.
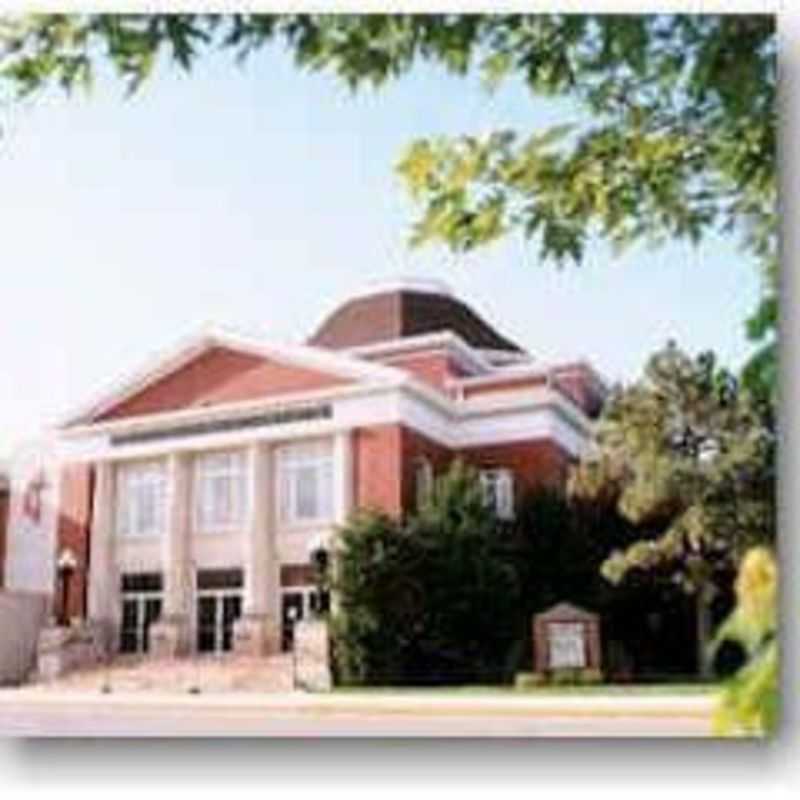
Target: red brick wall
{"points": [[74, 519], [416, 446], [537, 463], [4, 504], [222, 376], [377, 459]]}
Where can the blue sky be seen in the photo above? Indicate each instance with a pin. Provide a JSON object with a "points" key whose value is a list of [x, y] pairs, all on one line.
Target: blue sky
{"points": [[260, 197]]}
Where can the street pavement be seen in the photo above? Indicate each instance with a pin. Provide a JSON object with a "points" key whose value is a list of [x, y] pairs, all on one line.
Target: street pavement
{"points": [[25, 713]]}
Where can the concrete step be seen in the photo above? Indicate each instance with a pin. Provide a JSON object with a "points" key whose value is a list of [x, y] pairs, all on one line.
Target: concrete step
{"points": [[197, 675]]}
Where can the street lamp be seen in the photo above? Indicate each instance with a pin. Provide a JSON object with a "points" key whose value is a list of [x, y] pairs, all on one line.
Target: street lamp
{"points": [[67, 564]]}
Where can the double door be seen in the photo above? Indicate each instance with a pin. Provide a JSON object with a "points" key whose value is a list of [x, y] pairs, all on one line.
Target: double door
{"points": [[139, 612], [217, 611]]}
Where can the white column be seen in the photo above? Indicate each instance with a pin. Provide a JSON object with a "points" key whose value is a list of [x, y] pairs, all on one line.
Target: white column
{"points": [[103, 589], [257, 633], [176, 561], [343, 494], [342, 476], [258, 533], [273, 562]]}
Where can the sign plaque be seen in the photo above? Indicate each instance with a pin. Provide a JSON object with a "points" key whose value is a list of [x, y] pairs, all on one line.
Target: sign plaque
{"points": [[567, 645]]}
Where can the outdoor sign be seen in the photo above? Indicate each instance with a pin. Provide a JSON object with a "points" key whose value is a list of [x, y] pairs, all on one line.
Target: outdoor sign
{"points": [[567, 645]]}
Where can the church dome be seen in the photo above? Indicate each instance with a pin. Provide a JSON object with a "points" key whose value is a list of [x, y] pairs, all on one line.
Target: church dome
{"points": [[404, 308]]}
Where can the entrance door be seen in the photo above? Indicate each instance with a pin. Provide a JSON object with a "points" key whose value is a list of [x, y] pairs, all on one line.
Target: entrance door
{"points": [[216, 614], [141, 607], [139, 612], [219, 605]]}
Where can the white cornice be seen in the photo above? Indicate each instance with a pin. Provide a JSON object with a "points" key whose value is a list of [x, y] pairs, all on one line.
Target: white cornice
{"points": [[543, 415]]}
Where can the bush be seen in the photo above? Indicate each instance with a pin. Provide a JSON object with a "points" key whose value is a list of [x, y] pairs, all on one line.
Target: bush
{"points": [[432, 600]]}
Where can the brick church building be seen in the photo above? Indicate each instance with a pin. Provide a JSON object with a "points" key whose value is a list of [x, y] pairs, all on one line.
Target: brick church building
{"points": [[194, 493]]}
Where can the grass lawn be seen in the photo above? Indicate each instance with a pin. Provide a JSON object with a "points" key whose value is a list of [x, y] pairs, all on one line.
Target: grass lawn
{"points": [[629, 690]]}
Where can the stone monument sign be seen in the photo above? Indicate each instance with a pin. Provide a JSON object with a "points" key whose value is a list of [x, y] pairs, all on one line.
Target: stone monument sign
{"points": [[566, 637]]}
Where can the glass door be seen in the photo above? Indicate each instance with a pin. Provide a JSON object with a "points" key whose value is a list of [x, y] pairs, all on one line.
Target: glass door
{"points": [[139, 612], [207, 623], [128, 635], [217, 613], [231, 611]]}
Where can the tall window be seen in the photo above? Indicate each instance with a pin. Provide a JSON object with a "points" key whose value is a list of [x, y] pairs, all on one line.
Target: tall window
{"points": [[220, 493], [141, 499], [498, 491], [305, 481]]}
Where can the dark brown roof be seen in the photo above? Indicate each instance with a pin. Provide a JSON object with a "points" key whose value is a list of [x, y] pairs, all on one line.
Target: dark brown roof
{"points": [[400, 313]]}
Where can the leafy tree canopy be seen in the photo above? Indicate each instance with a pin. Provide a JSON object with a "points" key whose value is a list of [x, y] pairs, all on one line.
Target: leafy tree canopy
{"points": [[679, 140], [687, 452]]}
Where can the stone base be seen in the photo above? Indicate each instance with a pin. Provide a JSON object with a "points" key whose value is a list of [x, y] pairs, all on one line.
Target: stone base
{"points": [[312, 656], [169, 637], [256, 635], [61, 650]]}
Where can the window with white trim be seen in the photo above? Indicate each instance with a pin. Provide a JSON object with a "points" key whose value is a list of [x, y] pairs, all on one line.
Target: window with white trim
{"points": [[498, 491], [305, 481], [220, 493], [141, 499]]}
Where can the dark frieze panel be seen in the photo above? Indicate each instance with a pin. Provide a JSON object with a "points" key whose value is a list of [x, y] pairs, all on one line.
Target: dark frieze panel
{"points": [[282, 417]]}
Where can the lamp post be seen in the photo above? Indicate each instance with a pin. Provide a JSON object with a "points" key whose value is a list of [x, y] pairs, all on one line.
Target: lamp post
{"points": [[320, 558], [67, 564]]}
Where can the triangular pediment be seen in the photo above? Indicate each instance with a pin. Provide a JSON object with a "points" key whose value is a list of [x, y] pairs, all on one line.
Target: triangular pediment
{"points": [[219, 370], [566, 611]]}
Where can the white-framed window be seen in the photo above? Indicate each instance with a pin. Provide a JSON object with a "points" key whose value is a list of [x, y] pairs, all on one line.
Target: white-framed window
{"points": [[141, 499], [498, 491], [423, 481], [305, 482], [220, 491]]}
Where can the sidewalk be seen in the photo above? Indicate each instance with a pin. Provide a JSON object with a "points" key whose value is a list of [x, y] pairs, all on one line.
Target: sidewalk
{"points": [[412, 704]]}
